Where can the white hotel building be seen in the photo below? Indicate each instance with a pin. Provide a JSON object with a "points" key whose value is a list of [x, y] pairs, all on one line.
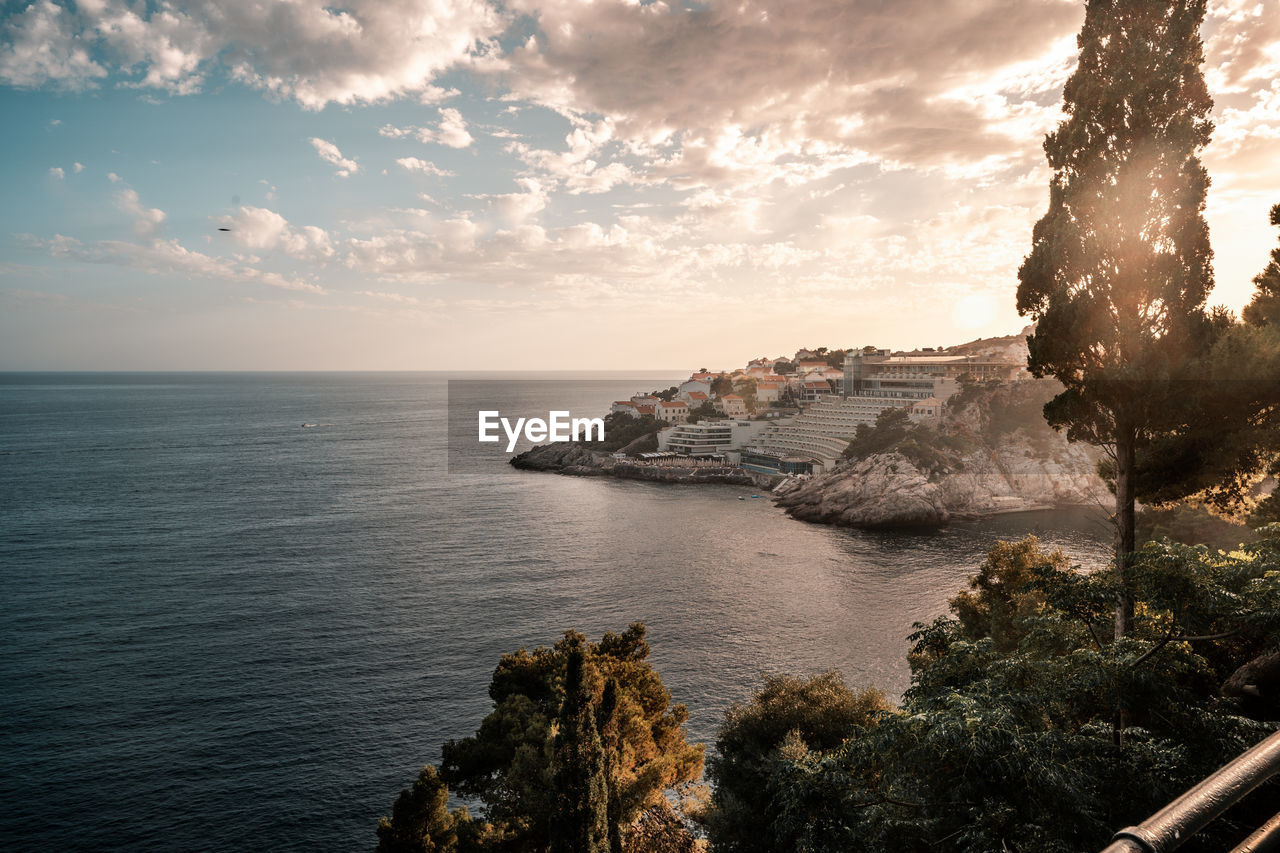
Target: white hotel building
{"points": [[875, 380], [710, 437]]}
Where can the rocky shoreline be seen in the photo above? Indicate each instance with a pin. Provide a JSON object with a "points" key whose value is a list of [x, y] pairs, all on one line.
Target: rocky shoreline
{"points": [[578, 461], [888, 490], [991, 455], [1001, 470]]}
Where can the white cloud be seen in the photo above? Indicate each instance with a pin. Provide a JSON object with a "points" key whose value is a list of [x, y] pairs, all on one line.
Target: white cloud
{"points": [[516, 208], [306, 50], [265, 230], [451, 131], [57, 172], [146, 220], [41, 47], [330, 154], [163, 257], [413, 164], [78, 167]]}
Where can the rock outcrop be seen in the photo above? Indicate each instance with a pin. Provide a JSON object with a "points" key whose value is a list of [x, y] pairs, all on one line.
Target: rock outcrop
{"points": [[1003, 465]]}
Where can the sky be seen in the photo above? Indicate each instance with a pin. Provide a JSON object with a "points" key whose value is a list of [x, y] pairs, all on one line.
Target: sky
{"points": [[551, 184]]}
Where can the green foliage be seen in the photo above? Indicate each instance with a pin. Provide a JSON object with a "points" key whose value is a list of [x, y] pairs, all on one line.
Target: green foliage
{"points": [[1000, 596], [621, 430], [1264, 309], [421, 821], [1005, 738], [1267, 511], [722, 385], [669, 394], [820, 713], [1192, 522], [784, 367], [930, 450], [705, 411], [578, 754], [507, 764], [891, 427]]}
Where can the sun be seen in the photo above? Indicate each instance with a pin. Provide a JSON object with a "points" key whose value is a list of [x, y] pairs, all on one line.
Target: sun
{"points": [[975, 311]]}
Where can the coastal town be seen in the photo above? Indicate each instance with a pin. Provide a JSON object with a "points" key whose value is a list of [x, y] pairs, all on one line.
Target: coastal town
{"points": [[795, 416]]}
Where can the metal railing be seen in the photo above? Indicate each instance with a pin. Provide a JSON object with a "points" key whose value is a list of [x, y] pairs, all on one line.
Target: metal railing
{"points": [[1191, 812]]}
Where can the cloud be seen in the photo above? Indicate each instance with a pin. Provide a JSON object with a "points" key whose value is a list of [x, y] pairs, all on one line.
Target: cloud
{"points": [[41, 47], [330, 154], [265, 230], [413, 164], [451, 131], [745, 87], [78, 167], [162, 257], [516, 208], [305, 50], [146, 220], [57, 172]]}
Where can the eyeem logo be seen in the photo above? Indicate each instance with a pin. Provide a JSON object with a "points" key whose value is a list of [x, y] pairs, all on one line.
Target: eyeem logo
{"points": [[558, 426]]}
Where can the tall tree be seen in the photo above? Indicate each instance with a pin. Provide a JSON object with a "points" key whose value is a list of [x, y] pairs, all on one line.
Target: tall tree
{"points": [[1120, 265], [1264, 310], [508, 764], [421, 821], [580, 815]]}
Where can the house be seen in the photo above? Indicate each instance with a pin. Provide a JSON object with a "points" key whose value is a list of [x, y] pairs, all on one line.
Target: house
{"points": [[811, 366], [624, 407], [694, 398], [768, 391], [814, 390], [645, 400], [733, 405], [646, 411], [695, 385], [673, 412], [928, 410]]}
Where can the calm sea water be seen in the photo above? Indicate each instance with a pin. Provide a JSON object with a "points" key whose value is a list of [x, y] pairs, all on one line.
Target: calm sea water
{"points": [[222, 631]]}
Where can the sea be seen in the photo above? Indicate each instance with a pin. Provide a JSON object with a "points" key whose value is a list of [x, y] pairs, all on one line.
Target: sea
{"points": [[223, 630]]}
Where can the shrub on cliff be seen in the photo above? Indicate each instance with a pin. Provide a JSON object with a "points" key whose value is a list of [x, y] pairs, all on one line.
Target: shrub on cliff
{"points": [[931, 450], [819, 713], [535, 744], [1005, 739]]}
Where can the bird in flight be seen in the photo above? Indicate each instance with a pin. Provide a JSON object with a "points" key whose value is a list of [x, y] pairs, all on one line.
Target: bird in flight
{"points": [[224, 229]]}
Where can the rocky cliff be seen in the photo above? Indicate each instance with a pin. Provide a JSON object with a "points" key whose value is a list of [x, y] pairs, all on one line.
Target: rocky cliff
{"points": [[992, 453]]}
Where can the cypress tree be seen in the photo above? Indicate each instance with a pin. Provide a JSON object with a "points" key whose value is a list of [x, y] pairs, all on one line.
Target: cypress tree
{"points": [[579, 820], [1120, 265], [609, 738]]}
